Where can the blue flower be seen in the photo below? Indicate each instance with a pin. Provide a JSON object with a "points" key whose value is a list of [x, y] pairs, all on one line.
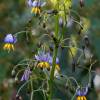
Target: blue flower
{"points": [[9, 42], [45, 60], [81, 93], [43, 56], [51, 60], [36, 6], [26, 74], [29, 3]]}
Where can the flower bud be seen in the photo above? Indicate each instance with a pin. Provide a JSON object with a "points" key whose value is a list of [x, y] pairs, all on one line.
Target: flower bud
{"points": [[69, 22], [96, 80], [86, 41], [52, 12], [61, 22], [18, 97], [44, 25], [16, 79], [81, 3], [13, 73]]}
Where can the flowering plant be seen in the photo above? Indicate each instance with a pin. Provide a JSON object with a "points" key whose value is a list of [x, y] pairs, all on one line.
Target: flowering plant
{"points": [[43, 72]]}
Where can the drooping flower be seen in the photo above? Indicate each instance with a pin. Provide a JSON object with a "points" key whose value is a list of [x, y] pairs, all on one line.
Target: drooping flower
{"points": [[9, 42], [43, 58], [45, 61], [81, 93], [36, 6], [26, 74]]}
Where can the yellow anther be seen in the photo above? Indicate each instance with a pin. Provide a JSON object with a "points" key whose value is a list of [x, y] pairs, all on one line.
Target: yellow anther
{"points": [[36, 10], [79, 98], [57, 67], [44, 65], [8, 46]]}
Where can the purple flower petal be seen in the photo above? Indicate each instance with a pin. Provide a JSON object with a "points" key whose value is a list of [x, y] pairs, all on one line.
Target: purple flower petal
{"points": [[43, 4], [9, 38], [26, 74], [82, 92], [35, 3], [29, 2], [85, 90]]}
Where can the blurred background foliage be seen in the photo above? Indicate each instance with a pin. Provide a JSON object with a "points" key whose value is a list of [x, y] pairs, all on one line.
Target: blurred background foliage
{"points": [[14, 17]]}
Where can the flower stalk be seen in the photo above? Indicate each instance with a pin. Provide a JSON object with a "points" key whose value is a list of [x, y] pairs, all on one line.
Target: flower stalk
{"points": [[54, 56], [52, 73]]}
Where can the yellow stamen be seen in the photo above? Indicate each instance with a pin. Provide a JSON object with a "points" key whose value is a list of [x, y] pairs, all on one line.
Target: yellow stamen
{"points": [[84, 98], [35, 10], [79, 98], [5, 46], [44, 65], [57, 67], [8, 46], [32, 9], [12, 46]]}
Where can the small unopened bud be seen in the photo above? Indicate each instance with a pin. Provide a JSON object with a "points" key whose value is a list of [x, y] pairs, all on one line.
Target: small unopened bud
{"points": [[61, 22], [52, 34], [66, 86], [16, 79], [86, 40], [52, 12], [53, 37], [89, 85], [13, 73], [44, 25], [96, 80], [39, 44], [18, 97], [81, 3], [69, 22]]}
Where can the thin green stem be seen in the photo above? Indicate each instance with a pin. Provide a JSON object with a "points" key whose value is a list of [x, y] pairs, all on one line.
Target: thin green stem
{"points": [[16, 34], [57, 21], [31, 90], [52, 73], [50, 81], [90, 72]]}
